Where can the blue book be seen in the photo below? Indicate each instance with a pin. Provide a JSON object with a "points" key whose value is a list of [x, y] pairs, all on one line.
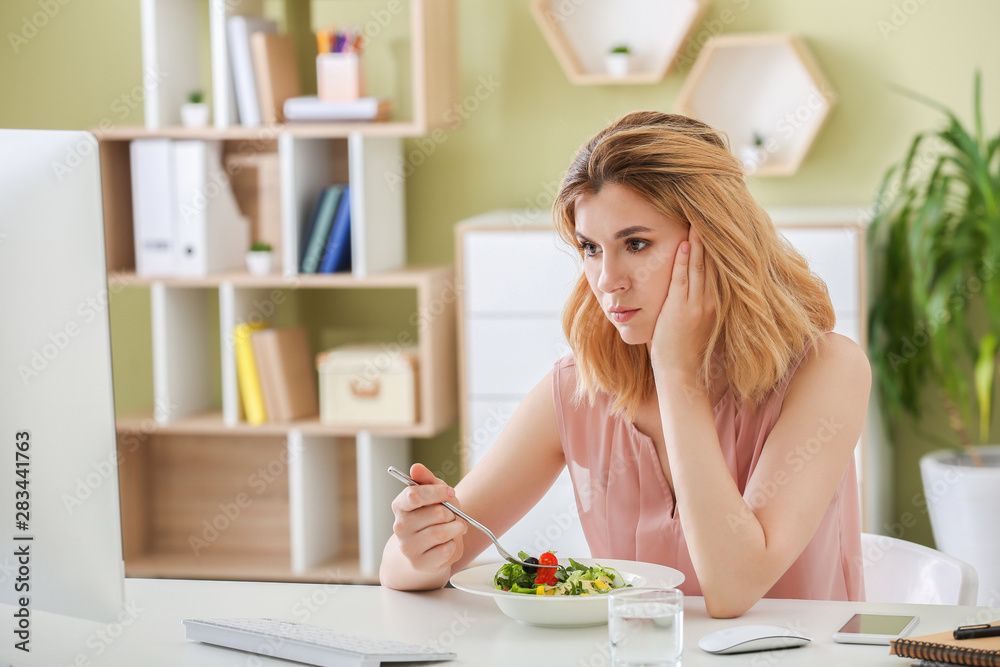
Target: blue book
{"points": [[321, 231], [337, 256], [310, 227]]}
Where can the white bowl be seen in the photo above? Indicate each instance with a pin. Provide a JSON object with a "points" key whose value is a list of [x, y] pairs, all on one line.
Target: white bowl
{"points": [[563, 610]]}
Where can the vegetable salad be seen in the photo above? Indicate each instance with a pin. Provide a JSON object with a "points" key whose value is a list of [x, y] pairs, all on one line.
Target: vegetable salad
{"points": [[550, 578]]}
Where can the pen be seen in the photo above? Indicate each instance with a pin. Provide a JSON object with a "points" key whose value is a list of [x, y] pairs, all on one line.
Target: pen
{"points": [[976, 631]]}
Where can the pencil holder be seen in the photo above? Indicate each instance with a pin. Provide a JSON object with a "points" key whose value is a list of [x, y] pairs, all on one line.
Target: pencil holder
{"points": [[339, 77]]}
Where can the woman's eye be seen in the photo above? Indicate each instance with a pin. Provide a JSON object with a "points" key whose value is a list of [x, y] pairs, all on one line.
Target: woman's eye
{"points": [[589, 249], [635, 245]]}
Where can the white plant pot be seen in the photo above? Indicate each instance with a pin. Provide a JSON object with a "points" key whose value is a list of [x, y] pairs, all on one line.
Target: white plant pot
{"points": [[194, 115], [752, 157], [617, 64], [962, 501], [259, 263]]}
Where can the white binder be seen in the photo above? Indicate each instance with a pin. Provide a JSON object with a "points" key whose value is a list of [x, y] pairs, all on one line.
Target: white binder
{"points": [[212, 235], [153, 206]]}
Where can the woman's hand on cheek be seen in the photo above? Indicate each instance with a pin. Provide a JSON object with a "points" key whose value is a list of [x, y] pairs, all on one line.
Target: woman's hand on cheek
{"points": [[688, 313]]}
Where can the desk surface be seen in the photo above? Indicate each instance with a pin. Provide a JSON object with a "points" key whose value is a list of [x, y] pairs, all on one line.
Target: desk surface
{"points": [[151, 632]]}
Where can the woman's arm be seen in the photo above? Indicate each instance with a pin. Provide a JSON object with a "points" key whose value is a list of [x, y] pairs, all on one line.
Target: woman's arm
{"points": [[740, 545], [429, 543]]}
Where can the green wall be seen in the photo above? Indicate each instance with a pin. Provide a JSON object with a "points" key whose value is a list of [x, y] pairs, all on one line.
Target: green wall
{"points": [[84, 65]]}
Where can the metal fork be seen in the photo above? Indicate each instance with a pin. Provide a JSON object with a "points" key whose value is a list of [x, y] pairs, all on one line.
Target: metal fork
{"points": [[406, 479]]}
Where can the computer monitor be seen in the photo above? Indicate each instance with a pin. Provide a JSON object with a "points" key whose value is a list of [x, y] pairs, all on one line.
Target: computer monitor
{"points": [[59, 507]]}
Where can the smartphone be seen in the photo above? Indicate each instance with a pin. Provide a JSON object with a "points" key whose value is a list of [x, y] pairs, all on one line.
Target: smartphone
{"points": [[874, 629]]}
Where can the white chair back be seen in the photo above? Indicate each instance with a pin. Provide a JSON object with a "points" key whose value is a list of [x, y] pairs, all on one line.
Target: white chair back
{"points": [[901, 571]]}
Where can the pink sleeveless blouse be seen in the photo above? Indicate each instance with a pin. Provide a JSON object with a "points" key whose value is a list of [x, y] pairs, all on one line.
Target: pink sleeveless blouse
{"points": [[627, 509]]}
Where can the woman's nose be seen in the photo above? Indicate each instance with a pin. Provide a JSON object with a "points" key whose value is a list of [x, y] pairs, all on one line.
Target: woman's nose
{"points": [[613, 276]]}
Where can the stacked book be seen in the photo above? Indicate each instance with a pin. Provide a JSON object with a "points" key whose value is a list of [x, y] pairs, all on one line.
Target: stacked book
{"points": [[274, 371], [315, 109]]}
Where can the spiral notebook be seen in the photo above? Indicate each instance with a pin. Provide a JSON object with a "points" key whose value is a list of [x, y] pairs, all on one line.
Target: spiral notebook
{"points": [[943, 647]]}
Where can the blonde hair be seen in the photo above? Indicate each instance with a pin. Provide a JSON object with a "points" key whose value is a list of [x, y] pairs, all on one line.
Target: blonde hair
{"points": [[768, 303]]}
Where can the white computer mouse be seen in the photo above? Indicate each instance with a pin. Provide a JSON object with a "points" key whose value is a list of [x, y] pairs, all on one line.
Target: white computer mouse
{"points": [[746, 638]]}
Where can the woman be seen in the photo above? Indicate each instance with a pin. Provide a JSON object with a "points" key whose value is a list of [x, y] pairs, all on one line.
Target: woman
{"points": [[699, 430]]}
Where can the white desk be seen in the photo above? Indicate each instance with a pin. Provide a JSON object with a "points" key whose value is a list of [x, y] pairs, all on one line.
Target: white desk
{"points": [[469, 625]]}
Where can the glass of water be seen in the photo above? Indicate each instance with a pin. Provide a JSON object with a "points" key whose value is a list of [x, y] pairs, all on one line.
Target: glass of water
{"points": [[645, 626]]}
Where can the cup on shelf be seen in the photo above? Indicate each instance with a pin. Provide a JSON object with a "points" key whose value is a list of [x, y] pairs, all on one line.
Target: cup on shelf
{"points": [[339, 77], [645, 626]]}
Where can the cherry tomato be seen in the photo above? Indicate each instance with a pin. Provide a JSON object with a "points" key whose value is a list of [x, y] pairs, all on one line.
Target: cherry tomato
{"points": [[547, 575]]}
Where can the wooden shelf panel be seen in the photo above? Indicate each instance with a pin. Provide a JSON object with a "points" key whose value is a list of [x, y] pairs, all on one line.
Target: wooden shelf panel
{"points": [[211, 423], [244, 567], [411, 277], [264, 133]]}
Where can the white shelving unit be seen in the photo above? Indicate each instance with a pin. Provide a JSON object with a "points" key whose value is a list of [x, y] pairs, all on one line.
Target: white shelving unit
{"points": [[204, 494]]}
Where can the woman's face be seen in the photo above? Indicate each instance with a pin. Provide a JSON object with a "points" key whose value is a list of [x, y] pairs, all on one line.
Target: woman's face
{"points": [[628, 255]]}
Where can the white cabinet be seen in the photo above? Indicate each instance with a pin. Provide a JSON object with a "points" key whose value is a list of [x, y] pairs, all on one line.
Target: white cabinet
{"points": [[834, 254], [515, 275]]}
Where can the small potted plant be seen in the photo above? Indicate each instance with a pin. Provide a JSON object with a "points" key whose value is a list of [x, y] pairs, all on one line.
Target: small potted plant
{"points": [[260, 258], [194, 113], [617, 60], [753, 155]]}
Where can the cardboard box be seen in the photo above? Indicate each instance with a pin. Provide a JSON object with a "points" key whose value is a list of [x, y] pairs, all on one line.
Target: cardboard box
{"points": [[368, 385]]}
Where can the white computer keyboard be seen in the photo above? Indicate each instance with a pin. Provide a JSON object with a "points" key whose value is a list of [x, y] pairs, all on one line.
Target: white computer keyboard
{"points": [[306, 643]]}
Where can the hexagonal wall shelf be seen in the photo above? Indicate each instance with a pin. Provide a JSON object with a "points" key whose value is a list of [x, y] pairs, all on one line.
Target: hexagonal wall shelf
{"points": [[581, 33], [766, 92]]}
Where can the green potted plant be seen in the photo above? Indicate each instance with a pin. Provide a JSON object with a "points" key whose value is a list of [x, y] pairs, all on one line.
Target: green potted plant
{"points": [[754, 154], [260, 258], [934, 322], [194, 113], [617, 60]]}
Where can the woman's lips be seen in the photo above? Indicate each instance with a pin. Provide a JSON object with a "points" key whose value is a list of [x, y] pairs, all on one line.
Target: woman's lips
{"points": [[623, 315]]}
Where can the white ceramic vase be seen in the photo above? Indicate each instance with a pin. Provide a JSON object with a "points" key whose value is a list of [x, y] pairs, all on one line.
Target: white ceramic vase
{"points": [[194, 115], [617, 64], [260, 262], [962, 500], [752, 156]]}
